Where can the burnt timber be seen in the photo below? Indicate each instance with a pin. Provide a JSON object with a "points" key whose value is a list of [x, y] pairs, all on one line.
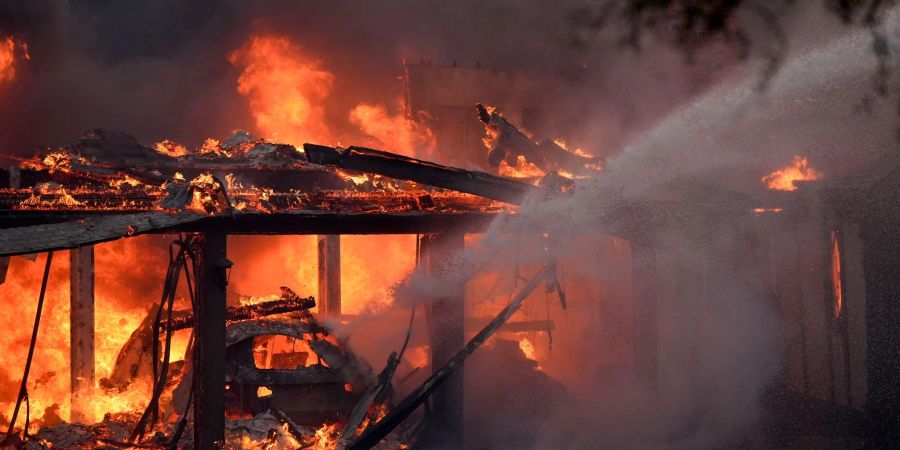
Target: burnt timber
{"points": [[405, 168]]}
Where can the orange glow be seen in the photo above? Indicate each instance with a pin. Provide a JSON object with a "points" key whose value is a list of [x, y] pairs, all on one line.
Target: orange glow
{"points": [[326, 437], [393, 131], [767, 210], [286, 88], [527, 348], [169, 148], [370, 266], [522, 169], [836, 275], [122, 299], [783, 179], [10, 52]]}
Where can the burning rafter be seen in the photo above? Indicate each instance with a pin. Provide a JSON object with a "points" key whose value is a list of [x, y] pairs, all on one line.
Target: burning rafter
{"points": [[406, 168], [506, 143]]}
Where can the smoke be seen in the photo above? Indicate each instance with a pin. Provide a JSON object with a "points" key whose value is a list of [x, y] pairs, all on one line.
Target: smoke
{"points": [[161, 70], [720, 337]]}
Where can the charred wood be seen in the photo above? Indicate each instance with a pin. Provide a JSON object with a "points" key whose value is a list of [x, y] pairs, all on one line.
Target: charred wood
{"points": [[510, 143], [398, 414], [92, 230], [185, 319], [406, 168]]}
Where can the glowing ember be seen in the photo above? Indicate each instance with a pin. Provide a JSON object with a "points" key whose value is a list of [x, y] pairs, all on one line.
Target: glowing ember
{"points": [[286, 88], [263, 391], [767, 210], [836, 284], [783, 179]]}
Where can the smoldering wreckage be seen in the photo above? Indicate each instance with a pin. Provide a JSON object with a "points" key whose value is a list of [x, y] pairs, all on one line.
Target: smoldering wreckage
{"points": [[319, 394], [270, 373]]}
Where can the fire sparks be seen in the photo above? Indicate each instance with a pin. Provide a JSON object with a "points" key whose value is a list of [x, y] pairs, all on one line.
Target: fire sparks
{"points": [[11, 51], [783, 179], [285, 87]]}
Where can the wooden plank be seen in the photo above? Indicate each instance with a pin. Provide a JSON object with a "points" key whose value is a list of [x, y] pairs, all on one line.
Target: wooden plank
{"points": [[209, 332], [92, 230], [329, 252], [81, 331], [406, 168]]}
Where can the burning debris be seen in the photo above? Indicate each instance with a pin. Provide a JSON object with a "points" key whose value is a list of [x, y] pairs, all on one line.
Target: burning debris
{"points": [[514, 151], [109, 171], [783, 179]]}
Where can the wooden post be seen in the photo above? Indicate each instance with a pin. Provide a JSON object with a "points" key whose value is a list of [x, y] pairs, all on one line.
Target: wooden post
{"points": [[81, 330], [644, 270], [15, 179], [329, 299], [209, 350], [446, 328]]}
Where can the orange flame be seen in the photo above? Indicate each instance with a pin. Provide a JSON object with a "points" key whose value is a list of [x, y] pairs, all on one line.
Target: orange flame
{"points": [[395, 132], [522, 169], [10, 52], [285, 87], [783, 179], [170, 148], [122, 298]]}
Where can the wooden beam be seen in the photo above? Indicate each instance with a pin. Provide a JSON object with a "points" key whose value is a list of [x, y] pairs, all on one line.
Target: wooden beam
{"points": [[406, 168], [209, 333], [446, 329], [91, 230], [81, 330], [92, 227], [330, 275]]}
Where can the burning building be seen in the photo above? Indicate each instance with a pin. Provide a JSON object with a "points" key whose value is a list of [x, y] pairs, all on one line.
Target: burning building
{"points": [[459, 263]]}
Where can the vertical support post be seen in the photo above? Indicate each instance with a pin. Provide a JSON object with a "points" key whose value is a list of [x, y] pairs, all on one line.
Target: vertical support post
{"points": [[329, 300], [881, 270], [446, 327], [644, 270], [81, 330], [209, 334], [15, 179]]}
